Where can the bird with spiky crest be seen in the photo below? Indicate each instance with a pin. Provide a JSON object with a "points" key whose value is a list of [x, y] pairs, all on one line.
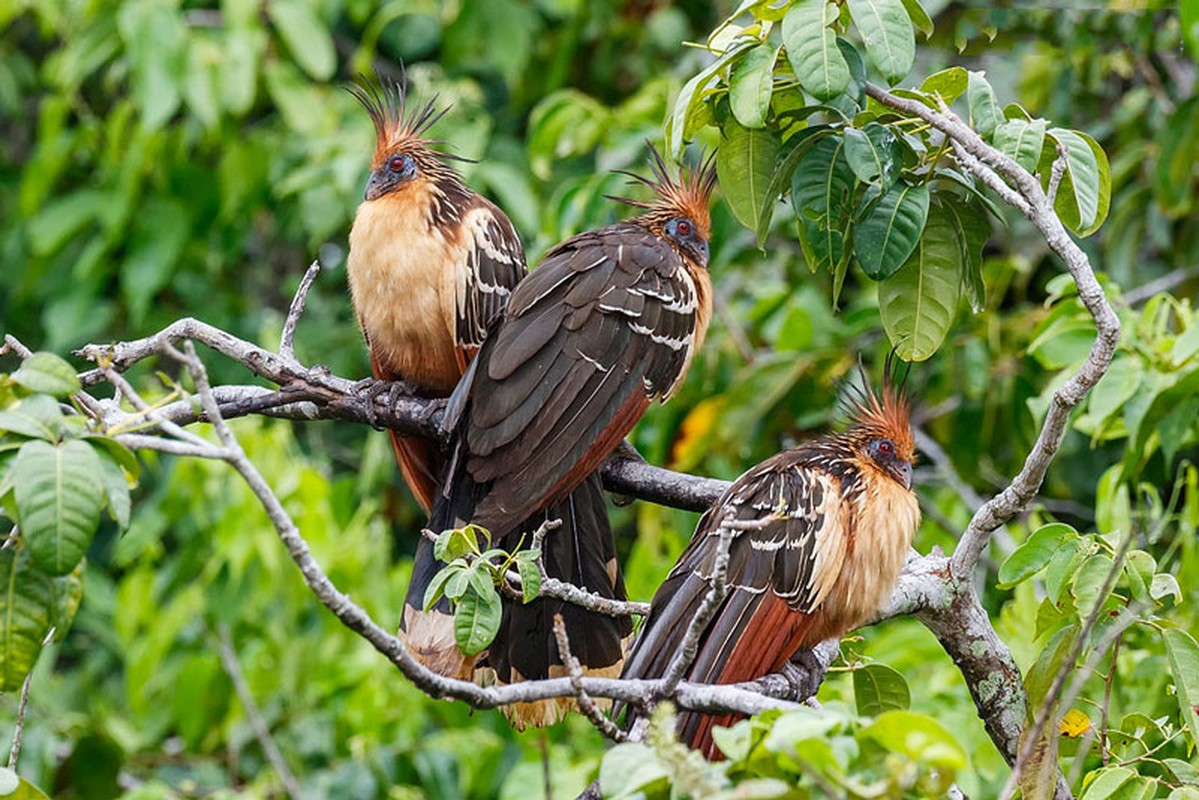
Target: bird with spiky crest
{"points": [[431, 264], [605, 325], [841, 514]]}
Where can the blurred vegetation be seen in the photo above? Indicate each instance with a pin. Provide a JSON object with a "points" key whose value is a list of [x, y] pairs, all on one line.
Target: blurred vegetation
{"points": [[169, 159]]}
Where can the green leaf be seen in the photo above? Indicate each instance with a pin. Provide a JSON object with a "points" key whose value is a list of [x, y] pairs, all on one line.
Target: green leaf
{"points": [[1062, 567], [821, 193], [691, 98], [1049, 661], [1035, 553], [14, 787], [457, 542], [437, 587], [873, 155], [1165, 584], [920, 19], [878, 688], [744, 164], [812, 49], [1189, 20], [1085, 193], [1022, 141], [67, 593], [116, 490], [974, 229], [476, 620], [38, 416], [1107, 781], [985, 114], [59, 495], [1183, 653], [888, 35], [918, 303], [1089, 581], [630, 768], [530, 579], [156, 38], [918, 737], [1179, 150], [948, 84], [1115, 388], [784, 170], [886, 236], [46, 373], [306, 36], [751, 85], [25, 607]]}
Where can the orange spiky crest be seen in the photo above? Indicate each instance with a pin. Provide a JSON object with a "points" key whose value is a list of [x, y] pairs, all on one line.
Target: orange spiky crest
{"points": [[888, 417], [689, 195], [399, 124]]}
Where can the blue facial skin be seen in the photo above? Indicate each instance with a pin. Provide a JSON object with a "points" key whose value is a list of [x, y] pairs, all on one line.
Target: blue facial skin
{"points": [[398, 169], [682, 230]]}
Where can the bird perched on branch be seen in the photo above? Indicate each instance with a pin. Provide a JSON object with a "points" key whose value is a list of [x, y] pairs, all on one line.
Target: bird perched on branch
{"points": [[844, 515], [431, 264], [605, 325]]}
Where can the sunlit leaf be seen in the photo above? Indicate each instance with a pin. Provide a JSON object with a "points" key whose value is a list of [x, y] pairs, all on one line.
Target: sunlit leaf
{"points": [[1034, 554], [887, 32], [47, 373], [59, 496], [1107, 782], [918, 737], [1021, 141], [1089, 581], [305, 35], [919, 17], [1085, 193], [630, 768], [14, 787], [948, 84], [1183, 653], [985, 114], [691, 97], [812, 49], [38, 416], [751, 85]]}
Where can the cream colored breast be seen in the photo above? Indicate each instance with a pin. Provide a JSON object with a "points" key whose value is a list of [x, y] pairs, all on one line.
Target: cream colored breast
{"points": [[886, 518], [396, 268]]}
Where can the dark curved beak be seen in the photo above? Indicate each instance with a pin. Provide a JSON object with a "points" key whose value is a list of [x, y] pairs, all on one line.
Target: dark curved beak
{"points": [[905, 474], [376, 186]]}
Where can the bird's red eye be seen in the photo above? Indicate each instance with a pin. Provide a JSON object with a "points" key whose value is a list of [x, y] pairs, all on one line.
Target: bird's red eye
{"points": [[684, 227], [886, 448], [396, 163]]}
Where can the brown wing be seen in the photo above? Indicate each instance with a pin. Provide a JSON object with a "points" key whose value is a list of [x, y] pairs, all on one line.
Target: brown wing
{"points": [[603, 326], [777, 578], [494, 264]]}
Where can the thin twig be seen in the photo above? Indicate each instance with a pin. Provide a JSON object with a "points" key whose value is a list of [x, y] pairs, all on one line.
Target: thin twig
{"points": [[262, 731], [1056, 173], [287, 342], [590, 710], [19, 725]]}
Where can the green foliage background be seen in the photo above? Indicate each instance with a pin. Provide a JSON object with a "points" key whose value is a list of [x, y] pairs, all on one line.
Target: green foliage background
{"points": [[167, 159]]}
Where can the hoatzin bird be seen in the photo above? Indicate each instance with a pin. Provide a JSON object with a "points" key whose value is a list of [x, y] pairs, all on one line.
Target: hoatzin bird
{"points": [[606, 324], [431, 264], [846, 514]]}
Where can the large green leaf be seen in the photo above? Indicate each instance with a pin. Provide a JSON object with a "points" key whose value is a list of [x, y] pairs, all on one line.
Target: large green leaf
{"points": [[887, 234], [784, 169], [38, 416], [1032, 556], [878, 688], [917, 304], [920, 738], [985, 114], [1021, 140], [745, 163], [974, 229], [25, 610], [812, 48], [948, 84], [873, 154], [920, 18], [48, 374], [1183, 652], [476, 620], [1108, 781], [821, 193], [59, 495], [888, 34], [1085, 194], [305, 35], [751, 85]]}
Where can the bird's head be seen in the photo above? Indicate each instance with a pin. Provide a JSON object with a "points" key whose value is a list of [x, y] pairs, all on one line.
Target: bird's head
{"points": [[881, 433], [679, 213], [402, 153]]}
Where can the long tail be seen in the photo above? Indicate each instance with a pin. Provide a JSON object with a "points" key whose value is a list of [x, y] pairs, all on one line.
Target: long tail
{"points": [[583, 552], [420, 462]]}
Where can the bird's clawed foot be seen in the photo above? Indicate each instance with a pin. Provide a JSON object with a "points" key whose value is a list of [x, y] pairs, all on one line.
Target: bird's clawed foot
{"points": [[433, 407], [805, 671], [370, 390]]}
